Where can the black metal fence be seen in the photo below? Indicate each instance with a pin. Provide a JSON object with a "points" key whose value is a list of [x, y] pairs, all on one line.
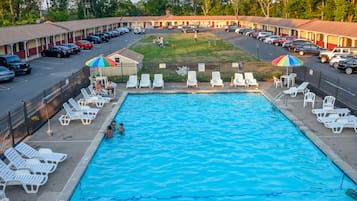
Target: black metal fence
{"points": [[25, 120], [323, 85]]}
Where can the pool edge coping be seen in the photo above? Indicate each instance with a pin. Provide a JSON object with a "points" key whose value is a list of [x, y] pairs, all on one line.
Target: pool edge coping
{"points": [[71, 184]]}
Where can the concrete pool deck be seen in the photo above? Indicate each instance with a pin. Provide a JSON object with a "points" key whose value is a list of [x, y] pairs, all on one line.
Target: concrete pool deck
{"points": [[80, 141]]}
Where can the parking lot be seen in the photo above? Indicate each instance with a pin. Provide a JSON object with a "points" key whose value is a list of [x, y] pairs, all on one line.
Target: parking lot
{"points": [[49, 70], [46, 71]]}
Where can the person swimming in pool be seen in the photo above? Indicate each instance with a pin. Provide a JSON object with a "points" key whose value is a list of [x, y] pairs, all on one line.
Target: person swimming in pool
{"points": [[121, 129], [109, 132]]}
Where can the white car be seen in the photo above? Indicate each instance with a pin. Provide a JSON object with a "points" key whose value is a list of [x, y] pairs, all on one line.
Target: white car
{"points": [[335, 60], [263, 34], [270, 39]]}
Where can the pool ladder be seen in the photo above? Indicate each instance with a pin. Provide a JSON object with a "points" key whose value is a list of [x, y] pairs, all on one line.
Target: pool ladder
{"points": [[278, 97]]}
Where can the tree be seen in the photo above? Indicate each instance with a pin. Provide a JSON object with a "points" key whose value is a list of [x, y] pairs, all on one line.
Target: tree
{"points": [[265, 6], [341, 10], [206, 7], [156, 7], [235, 6], [352, 8]]}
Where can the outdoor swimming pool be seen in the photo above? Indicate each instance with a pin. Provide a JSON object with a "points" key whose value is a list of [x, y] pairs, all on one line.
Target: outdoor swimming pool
{"points": [[221, 147]]}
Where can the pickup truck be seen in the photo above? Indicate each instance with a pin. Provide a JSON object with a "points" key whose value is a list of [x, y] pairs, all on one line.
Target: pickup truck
{"points": [[326, 55]]}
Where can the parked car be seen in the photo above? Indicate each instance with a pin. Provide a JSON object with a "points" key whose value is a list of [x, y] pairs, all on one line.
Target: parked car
{"points": [[56, 51], [94, 39], [103, 36], [244, 31], [263, 34], [231, 28], [348, 66], [326, 55], [270, 39], [74, 48], [189, 29], [308, 49], [337, 58], [84, 44], [6, 74], [280, 41], [295, 43], [139, 30], [14, 63]]}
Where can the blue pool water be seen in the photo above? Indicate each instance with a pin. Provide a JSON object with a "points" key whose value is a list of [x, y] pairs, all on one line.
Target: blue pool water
{"points": [[216, 147]]}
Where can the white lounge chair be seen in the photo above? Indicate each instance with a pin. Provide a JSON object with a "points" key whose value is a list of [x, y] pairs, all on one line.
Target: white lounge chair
{"points": [[87, 99], [191, 79], [71, 115], [2, 189], [145, 81], [84, 109], [33, 165], [320, 112], [132, 82], [216, 79], [328, 102], [250, 80], [103, 95], [158, 81], [333, 117], [30, 182], [293, 91], [339, 124], [238, 80], [43, 154]]}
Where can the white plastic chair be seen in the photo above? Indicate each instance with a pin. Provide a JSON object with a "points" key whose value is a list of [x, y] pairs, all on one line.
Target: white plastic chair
{"points": [[132, 82], [250, 80], [84, 109], [98, 100], [339, 124], [292, 77], [34, 165], [145, 81], [293, 91], [277, 82], [30, 182], [43, 154], [216, 79], [309, 97], [328, 102], [158, 81], [238, 80], [191, 79], [70, 115]]}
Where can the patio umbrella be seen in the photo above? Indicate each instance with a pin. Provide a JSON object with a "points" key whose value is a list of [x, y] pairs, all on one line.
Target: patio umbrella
{"points": [[287, 61], [100, 62]]}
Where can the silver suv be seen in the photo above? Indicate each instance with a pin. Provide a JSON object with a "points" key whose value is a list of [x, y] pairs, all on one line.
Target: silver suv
{"points": [[335, 60]]}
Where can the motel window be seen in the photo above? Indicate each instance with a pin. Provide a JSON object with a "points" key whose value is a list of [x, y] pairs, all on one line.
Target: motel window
{"points": [[21, 46], [14, 49]]}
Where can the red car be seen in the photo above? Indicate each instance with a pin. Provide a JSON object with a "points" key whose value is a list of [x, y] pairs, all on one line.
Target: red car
{"points": [[84, 44], [280, 41]]}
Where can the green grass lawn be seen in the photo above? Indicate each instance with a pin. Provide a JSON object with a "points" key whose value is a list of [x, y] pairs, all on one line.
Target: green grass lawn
{"points": [[181, 49]]}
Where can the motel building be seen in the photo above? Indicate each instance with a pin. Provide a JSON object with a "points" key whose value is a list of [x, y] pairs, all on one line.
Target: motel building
{"points": [[28, 41]]}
